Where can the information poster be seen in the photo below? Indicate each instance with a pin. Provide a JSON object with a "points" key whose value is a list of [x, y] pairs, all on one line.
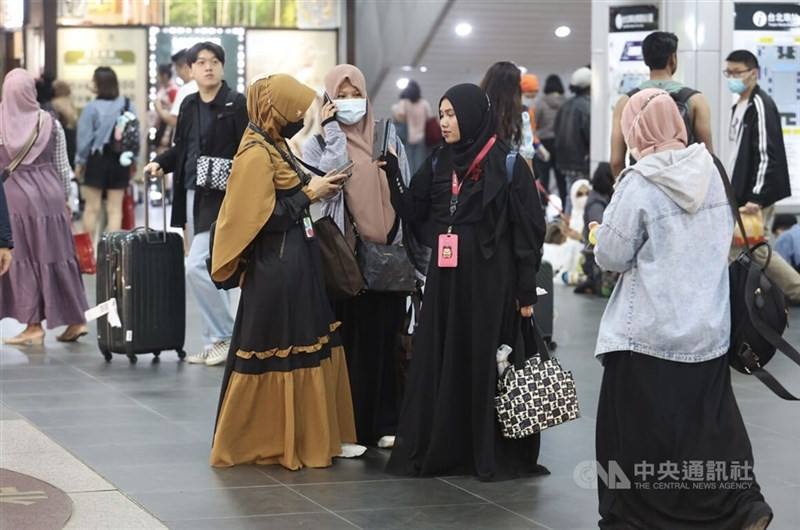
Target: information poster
{"points": [[81, 50], [628, 26], [772, 32]]}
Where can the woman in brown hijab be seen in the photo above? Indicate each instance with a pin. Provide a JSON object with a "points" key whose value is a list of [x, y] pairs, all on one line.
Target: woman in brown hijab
{"points": [[372, 321], [286, 394]]}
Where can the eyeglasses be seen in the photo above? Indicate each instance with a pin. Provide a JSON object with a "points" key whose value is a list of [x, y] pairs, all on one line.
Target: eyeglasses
{"points": [[735, 73]]}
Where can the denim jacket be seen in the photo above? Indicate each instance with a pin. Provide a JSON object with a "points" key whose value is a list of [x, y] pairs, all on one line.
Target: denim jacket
{"points": [[668, 230]]}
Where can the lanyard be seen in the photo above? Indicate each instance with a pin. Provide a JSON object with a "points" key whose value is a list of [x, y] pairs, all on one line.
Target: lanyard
{"points": [[455, 185]]}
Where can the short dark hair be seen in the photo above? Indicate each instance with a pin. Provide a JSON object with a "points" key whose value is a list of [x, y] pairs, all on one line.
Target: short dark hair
{"points": [[501, 84], [180, 57], [165, 69], [657, 48], [782, 221], [603, 179], [553, 84], [105, 80], [195, 50], [412, 92], [745, 57]]}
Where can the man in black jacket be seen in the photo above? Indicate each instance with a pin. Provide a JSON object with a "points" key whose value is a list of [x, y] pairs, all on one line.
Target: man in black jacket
{"points": [[757, 165], [6, 244], [210, 123], [757, 160]]}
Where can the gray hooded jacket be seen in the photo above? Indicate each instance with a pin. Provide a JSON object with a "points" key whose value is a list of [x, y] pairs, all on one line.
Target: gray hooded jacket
{"points": [[668, 230]]}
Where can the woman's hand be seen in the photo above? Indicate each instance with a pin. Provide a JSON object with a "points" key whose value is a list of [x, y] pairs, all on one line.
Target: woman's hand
{"points": [[80, 170], [526, 312], [328, 111], [327, 186], [5, 260]]}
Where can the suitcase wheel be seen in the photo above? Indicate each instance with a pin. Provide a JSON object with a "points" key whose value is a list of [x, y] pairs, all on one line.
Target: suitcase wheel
{"points": [[132, 358], [181, 354], [553, 345], [156, 358], [107, 355]]}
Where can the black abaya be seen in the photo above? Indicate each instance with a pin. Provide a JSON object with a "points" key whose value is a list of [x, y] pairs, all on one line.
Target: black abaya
{"points": [[448, 423]]}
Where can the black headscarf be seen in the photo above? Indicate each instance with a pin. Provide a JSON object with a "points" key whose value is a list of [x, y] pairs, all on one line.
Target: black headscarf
{"points": [[475, 122]]}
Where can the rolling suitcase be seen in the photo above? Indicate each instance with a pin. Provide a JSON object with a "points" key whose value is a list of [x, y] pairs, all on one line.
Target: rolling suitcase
{"points": [[545, 309], [143, 270]]}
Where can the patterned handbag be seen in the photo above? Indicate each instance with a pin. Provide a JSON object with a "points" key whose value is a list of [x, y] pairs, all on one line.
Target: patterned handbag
{"points": [[539, 395], [213, 172]]}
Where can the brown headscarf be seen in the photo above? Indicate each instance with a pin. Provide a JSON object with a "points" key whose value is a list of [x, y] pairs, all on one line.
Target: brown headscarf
{"points": [[258, 169], [367, 191]]}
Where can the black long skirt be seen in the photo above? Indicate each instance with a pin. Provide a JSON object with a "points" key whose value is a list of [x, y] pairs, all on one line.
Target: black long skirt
{"points": [[371, 326], [675, 432]]}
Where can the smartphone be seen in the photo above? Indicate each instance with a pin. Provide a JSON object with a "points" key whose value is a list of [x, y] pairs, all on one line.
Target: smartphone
{"points": [[380, 139], [325, 98], [345, 168]]}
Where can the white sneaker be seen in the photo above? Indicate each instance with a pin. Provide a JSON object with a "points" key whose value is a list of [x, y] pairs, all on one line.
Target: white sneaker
{"points": [[199, 358], [386, 442], [218, 353], [352, 450]]}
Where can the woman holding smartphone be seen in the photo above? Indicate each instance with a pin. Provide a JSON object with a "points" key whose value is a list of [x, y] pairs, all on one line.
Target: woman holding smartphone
{"points": [[285, 394], [487, 229], [372, 321]]}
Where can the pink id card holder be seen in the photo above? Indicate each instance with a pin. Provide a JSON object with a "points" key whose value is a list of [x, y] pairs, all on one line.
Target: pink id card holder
{"points": [[448, 251]]}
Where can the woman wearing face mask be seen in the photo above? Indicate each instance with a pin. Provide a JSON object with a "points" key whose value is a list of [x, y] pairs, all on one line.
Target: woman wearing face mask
{"points": [[666, 399], [372, 321], [285, 394], [487, 231]]}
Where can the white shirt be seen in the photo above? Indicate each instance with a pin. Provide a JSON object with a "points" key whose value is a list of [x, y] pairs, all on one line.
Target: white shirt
{"points": [[185, 90], [735, 135]]}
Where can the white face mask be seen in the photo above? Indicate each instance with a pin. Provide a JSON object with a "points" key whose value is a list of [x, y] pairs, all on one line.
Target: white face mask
{"points": [[350, 111], [528, 101], [580, 203]]}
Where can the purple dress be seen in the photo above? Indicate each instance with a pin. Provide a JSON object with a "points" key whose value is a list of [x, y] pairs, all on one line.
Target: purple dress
{"points": [[44, 282]]}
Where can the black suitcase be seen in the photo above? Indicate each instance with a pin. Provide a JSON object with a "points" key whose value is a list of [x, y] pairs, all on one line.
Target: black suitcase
{"points": [[143, 269], [545, 309]]}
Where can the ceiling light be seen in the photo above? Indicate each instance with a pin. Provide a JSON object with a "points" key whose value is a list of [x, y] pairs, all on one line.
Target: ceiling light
{"points": [[463, 29], [423, 69], [407, 68], [523, 70], [402, 83], [563, 31]]}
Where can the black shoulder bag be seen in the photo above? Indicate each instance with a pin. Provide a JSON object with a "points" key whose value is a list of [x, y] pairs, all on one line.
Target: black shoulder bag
{"points": [[758, 310]]}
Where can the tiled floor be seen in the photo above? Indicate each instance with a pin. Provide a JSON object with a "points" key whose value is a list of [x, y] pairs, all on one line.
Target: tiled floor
{"points": [[146, 430]]}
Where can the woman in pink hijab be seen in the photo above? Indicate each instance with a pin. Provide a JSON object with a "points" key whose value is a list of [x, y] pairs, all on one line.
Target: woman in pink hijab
{"points": [[44, 281], [667, 417]]}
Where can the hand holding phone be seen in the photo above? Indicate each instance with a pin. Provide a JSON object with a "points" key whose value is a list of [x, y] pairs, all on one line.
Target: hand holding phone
{"points": [[328, 109], [346, 169]]}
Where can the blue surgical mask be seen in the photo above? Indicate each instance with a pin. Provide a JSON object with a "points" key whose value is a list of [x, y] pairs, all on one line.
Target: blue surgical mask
{"points": [[736, 86], [350, 111]]}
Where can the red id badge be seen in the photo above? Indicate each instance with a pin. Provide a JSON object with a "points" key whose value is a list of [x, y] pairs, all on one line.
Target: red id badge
{"points": [[448, 251]]}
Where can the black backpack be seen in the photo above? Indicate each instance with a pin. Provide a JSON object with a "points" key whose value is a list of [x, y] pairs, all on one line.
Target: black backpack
{"points": [[758, 310]]}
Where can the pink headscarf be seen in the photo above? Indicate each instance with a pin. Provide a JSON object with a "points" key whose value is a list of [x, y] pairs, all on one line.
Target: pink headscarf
{"points": [[367, 191], [19, 113], [651, 123]]}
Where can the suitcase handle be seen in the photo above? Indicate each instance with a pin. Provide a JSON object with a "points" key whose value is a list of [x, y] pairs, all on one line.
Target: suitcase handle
{"points": [[148, 178]]}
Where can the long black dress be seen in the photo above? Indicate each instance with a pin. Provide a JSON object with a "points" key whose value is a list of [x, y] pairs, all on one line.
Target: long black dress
{"points": [[448, 423]]}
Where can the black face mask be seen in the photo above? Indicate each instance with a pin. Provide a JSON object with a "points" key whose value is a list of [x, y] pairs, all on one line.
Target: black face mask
{"points": [[290, 129]]}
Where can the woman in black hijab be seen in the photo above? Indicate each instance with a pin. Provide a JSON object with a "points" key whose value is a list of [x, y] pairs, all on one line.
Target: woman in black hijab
{"points": [[447, 423]]}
